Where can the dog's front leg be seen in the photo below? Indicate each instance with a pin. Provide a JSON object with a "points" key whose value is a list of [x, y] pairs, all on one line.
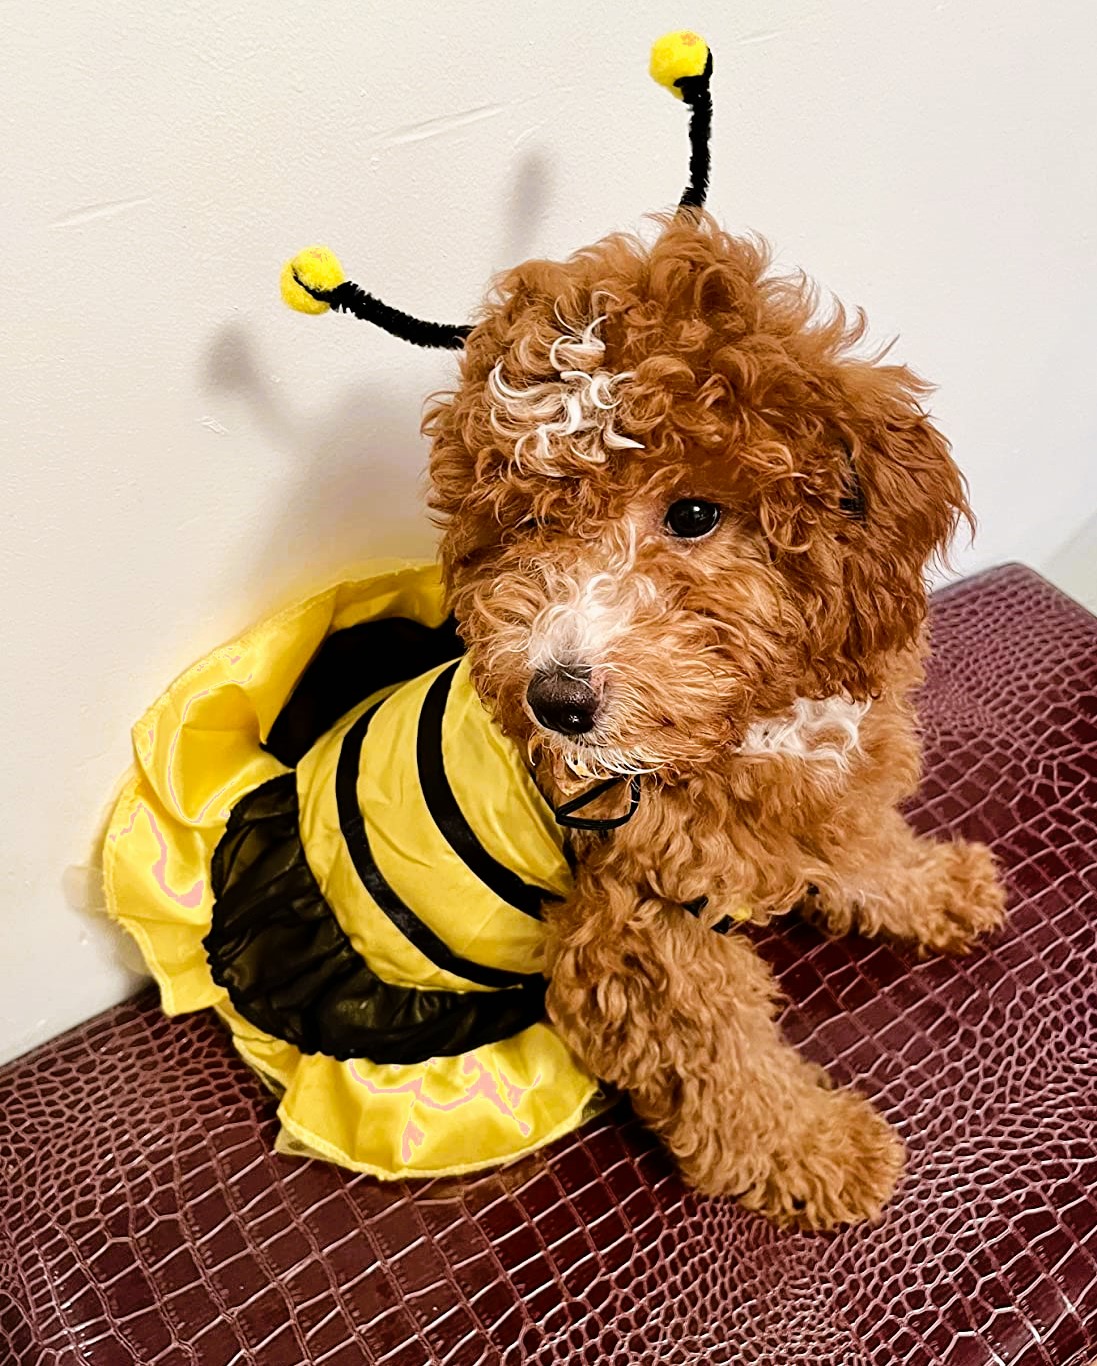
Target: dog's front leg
{"points": [[684, 1020], [885, 879]]}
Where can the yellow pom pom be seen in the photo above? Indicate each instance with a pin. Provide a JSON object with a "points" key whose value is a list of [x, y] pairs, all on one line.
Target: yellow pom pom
{"points": [[317, 267], [675, 55]]}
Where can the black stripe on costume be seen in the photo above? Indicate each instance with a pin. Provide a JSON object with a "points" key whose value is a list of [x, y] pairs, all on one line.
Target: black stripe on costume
{"points": [[276, 947], [402, 916], [349, 665], [447, 814]]}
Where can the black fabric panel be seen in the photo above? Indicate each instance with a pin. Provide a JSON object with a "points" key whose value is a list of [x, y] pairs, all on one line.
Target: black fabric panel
{"points": [[401, 915], [447, 814], [289, 969], [348, 666]]}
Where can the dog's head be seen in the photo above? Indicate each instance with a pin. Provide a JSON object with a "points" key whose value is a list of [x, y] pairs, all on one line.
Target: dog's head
{"points": [[678, 505], [683, 516]]}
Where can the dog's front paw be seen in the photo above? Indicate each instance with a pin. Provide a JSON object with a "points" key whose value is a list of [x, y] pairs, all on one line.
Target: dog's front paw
{"points": [[969, 899], [843, 1170]]}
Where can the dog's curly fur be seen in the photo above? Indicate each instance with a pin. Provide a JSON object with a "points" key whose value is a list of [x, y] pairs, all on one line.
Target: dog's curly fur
{"points": [[760, 676]]}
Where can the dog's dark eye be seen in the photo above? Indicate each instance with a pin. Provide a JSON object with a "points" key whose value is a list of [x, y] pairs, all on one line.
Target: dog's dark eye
{"points": [[691, 517]]}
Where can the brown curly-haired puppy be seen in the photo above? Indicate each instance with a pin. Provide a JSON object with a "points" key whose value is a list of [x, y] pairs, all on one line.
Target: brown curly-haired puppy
{"points": [[685, 534]]}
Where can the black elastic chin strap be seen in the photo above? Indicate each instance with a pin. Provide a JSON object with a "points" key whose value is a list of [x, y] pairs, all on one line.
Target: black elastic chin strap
{"points": [[722, 926], [353, 299], [853, 501], [564, 816], [564, 813]]}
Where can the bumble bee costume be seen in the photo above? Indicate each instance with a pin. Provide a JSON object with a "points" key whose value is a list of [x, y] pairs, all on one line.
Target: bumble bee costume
{"points": [[327, 840]]}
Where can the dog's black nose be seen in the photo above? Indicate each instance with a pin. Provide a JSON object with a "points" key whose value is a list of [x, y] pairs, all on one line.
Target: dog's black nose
{"points": [[562, 701]]}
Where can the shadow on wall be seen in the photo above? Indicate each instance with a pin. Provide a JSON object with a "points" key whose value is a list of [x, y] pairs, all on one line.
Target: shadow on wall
{"points": [[348, 500], [526, 206]]}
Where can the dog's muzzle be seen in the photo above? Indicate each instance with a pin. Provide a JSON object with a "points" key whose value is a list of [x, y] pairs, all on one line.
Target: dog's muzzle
{"points": [[563, 700]]}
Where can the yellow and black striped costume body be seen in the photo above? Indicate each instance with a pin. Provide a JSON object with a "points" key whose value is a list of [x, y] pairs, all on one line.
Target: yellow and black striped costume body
{"points": [[328, 841]]}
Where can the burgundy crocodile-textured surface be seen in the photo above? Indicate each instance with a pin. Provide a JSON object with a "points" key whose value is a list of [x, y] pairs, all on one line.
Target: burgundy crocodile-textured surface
{"points": [[144, 1219]]}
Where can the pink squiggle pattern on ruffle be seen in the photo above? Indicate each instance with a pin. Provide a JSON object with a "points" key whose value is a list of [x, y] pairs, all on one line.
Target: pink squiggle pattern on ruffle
{"points": [[482, 1085], [189, 899]]}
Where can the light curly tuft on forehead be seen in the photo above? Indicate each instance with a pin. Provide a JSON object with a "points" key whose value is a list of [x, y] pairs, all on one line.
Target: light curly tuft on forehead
{"points": [[572, 414]]}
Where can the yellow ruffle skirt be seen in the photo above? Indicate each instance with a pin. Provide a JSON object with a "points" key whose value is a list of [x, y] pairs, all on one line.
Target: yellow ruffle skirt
{"points": [[205, 749]]}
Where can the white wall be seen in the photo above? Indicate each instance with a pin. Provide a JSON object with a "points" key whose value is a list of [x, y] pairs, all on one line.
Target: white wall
{"points": [[180, 452]]}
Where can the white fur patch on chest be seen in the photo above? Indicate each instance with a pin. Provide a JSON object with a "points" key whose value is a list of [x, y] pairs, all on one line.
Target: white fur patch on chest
{"points": [[820, 729], [573, 413]]}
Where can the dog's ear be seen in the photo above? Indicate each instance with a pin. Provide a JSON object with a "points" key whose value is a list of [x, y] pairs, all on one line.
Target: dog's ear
{"points": [[904, 499]]}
